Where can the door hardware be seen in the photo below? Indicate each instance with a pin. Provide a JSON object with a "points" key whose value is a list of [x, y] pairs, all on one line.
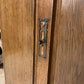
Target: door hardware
{"points": [[43, 32]]}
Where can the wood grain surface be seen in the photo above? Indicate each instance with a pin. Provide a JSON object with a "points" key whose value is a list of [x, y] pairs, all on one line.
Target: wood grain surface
{"points": [[17, 17], [0, 16], [67, 61], [44, 10]]}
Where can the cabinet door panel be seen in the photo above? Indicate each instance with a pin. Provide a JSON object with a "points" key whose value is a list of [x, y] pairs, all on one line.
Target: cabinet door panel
{"points": [[17, 18], [67, 63]]}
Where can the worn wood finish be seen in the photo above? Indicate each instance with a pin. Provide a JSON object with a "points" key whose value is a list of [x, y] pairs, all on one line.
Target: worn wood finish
{"points": [[18, 40], [0, 16], [43, 10], [67, 63]]}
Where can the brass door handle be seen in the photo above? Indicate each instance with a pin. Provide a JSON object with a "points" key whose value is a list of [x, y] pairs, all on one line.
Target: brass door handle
{"points": [[43, 32]]}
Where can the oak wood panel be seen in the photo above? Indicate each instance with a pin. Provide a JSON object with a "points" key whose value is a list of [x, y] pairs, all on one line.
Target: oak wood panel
{"points": [[67, 61], [17, 18], [43, 10]]}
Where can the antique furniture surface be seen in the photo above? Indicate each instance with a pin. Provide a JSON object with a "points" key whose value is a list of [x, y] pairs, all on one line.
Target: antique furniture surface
{"points": [[67, 56], [17, 18], [43, 41]]}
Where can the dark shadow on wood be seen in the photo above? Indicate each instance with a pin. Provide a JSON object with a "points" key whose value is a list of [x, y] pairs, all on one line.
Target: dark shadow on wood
{"points": [[52, 37]]}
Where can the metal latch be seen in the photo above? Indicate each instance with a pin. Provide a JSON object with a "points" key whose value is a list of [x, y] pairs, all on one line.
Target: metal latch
{"points": [[43, 32]]}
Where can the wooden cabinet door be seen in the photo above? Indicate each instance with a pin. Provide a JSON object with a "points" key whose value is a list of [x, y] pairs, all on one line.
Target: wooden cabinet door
{"points": [[17, 18], [67, 61], [62, 41]]}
